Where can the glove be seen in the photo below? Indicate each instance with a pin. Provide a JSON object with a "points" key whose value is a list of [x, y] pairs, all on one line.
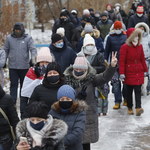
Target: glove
{"points": [[122, 77], [82, 94]]}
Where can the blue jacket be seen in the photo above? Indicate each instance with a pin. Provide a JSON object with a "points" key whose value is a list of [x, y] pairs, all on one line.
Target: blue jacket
{"points": [[64, 56], [75, 120], [114, 42]]}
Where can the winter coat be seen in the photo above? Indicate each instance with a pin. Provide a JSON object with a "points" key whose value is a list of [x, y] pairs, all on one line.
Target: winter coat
{"points": [[97, 38], [17, 51], [145, 39], [51, 140], [113, 43], [64, 57], [104, 27], [75, 121], [30, 82], [68, 26], [132, 62], [91, 80], [6, 103], [135, 19], [45, 94]]}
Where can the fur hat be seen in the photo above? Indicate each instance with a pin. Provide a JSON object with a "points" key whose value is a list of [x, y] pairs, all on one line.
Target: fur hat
{"points": [[117, 25], [37, 109], [44, 55], [80, 62], [88, 28], [61, 31], [66, 91], [56, 37]]}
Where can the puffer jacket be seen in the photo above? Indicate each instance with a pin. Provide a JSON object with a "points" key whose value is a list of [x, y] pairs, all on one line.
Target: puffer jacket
{"points": [[75, 120], [91, 81]]}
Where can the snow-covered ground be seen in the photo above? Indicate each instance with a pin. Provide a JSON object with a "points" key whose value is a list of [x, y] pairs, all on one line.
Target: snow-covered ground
{"points": [[117, 129]]}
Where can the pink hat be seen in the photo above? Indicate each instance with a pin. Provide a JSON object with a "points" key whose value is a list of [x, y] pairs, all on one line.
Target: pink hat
{"points": [[80, 62], [44, 55]]}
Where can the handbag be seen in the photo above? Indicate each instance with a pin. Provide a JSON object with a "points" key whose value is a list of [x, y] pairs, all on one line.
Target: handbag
{"points": [[11, 128]]}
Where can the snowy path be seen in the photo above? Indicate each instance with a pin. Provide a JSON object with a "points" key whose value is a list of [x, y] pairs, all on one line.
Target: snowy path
{"points": [[117, 129]]}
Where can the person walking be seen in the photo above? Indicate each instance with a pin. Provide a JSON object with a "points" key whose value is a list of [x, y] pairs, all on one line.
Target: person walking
{"points": [[18, 46], [132, 67]]}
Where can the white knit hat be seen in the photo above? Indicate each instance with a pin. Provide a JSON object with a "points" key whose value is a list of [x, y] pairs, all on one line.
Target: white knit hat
{"points": [[88, 28], [44, 55], [61, 31], [86, 11], [80, 62], [86, 41]]}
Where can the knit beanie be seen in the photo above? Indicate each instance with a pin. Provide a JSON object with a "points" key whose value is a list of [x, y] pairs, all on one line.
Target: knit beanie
{"points": [[104, 14], [61, 31], [66, 91], [130, 31], [86, 11], [88, 28], [37, 109], [73, 11], [63, 13], [88, 40], [56, 37], [44, 55], [80, 62], [117, 25]]}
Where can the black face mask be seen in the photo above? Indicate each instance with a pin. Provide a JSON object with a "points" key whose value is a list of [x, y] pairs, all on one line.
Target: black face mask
{"points": [[64, 19], [41, 70], [79, 73], [18, 34], [53, 79], [65, 104], [37, 126], [104, 20]]}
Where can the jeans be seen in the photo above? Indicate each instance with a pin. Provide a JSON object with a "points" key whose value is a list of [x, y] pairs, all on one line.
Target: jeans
{"points": [[15, 76], [137, 91]]}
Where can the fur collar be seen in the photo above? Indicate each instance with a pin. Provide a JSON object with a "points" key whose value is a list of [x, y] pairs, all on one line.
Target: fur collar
{"points": [[135, 33], [94, 34], [77, 107], [144, 25], [52, 137]]}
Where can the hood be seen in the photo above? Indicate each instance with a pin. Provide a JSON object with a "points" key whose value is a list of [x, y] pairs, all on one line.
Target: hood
{"points": [[77, 107], [143, 25], [94, 34], [133, 34]]}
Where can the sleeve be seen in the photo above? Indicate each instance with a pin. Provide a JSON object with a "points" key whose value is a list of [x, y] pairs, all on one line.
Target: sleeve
{"points": [[2, 58], [122, 59], [7, 47], [107, 48], [34, 96], [77, 131]]}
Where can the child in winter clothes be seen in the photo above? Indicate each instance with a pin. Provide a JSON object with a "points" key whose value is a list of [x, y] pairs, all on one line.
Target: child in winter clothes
{"points": [[34, 76], [2, 63]]}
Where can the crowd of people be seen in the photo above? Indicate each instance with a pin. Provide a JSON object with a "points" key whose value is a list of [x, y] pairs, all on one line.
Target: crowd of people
{"points": [[65, 87]]}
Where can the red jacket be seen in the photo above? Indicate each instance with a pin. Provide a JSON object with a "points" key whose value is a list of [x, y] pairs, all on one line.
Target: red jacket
{"points": [[132, 64]]}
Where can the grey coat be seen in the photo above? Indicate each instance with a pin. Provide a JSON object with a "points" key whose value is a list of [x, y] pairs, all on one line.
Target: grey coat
{"points": [[75, 120], [17, 51], [92, 80]]}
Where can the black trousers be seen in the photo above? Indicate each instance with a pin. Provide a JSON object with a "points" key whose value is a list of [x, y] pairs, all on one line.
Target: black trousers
{"points": [[15, 76], [137, 91], [86, 146]]}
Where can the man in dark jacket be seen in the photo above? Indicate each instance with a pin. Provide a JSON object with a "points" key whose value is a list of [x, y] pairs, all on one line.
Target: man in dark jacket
{"points": [[17, 47], [6, 104], [138, 17], [63, 54]]}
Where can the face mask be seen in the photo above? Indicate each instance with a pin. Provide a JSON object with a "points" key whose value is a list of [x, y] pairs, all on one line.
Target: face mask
{"points": [[37, 126], [78, 73], [89, 48], [104, 20], [117, 8], [53, 79], [140, 15], [18, 34], [135, 41], [118, 31], [64, 19], [65, 104], [42, 70], [59, 45]]}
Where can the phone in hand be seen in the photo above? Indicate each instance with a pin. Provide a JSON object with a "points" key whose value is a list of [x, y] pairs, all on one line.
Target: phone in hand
{"points": [[24, 139]]}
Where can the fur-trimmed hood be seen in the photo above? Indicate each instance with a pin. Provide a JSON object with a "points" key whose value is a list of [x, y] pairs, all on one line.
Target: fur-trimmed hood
{"points": [[77, 107], [142, 24], [94, 34], [53, 136], [136, 32]]}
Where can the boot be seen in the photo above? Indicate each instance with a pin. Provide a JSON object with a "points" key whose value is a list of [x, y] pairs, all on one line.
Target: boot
{"points": [[124, 103], [139, 111], [130, 111], [116, 106]]}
